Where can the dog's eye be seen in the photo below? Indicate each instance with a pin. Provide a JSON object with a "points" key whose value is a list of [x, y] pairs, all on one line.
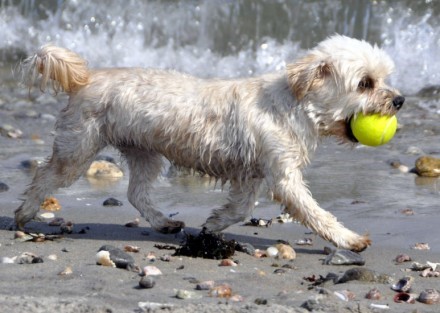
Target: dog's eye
{"points": [[365, 83]]}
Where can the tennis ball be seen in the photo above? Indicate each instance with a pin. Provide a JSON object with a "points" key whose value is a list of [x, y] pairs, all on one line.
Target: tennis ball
{"points": [[373, 129]]}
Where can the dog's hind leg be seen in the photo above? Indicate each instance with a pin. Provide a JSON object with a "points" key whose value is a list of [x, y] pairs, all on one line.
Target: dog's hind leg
{"points": [[73, 152], [144, 168], [242, 197]]}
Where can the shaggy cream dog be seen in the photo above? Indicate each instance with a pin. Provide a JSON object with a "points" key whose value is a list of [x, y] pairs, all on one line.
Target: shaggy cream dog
{"points": [[245, 131]]}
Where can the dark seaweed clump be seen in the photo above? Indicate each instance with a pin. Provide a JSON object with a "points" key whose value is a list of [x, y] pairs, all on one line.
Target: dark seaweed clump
{"points": [[207, 245]]}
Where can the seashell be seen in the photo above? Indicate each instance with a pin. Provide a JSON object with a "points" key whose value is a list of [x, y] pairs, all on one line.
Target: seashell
{"points": [[345, 295], [147, 282], [103, 258], [429, 296], [373, 294], [50, 204], [112, 202], [429, 273], [57, 221], [344, 257], [221, 291], [22, 236], [404, 284], [403, 258], [379, 306], [404, 297], [67, 271], [66, 227], [304, 242], [151, 256], [120, 258], [150, 270], [47, 215], [272, 252], [285, 252], [365, 275], [29, 258], [227, 262], [133, 223], [421, 246], [187, 294], [52, 257], [130, 248], [205, 285]]}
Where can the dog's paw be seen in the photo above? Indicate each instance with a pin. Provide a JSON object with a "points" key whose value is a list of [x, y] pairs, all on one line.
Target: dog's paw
{"points": [[170, 227], [360, 244]]}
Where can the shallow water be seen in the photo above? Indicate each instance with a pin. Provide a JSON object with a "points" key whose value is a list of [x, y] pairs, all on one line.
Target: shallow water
{"points": [[231, 39]]}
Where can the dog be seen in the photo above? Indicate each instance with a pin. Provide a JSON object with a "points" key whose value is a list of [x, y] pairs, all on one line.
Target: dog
{"points": [[246, 131]]}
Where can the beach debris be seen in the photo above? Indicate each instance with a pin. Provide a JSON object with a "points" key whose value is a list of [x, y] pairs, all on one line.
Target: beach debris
{"points": [[404, 284], [66, 272], [7, 130], [284, 218], [421, 246], [373, 294], [104, 169], [8, 260], [427, 166], [133, 223], [66, 227], [429, 296], [304, 242], [57, 221], [111, 256], [147, 282], [404, 297], [345, 295], [259, 222], [227, 262], [344, 257], [285, 252], [187, 294], [40, 237], [364, 275], [3, 187], [207, 245], [50, 204], [112, 202], [221, 291], [205, 285], [130, 248], [29, 258], [402, 258], [151, 270]]}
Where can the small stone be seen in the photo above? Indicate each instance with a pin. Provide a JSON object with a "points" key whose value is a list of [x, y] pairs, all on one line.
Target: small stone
{"points": [[112, 202], [8, 260], [403, 258], [3, 187], [151, 270], [104, 169], [187, 294], [147, 282], [119, 258], [130, 248], [52, 257], [261, 301], [67, 271], [205, 285], [272, 252], [344, 257], [428, 166], [9, 131], [373, 294]]}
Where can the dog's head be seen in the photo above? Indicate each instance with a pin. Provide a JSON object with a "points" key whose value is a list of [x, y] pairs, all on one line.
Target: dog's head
{"points": [[339, 78]]}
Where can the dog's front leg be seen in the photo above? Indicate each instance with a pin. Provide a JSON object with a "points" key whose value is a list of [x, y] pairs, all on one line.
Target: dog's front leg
{"points": [[290, 190]]}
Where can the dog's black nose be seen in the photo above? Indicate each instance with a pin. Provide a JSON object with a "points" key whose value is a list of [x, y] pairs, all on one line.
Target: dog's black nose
{"points": [[398, 102]]}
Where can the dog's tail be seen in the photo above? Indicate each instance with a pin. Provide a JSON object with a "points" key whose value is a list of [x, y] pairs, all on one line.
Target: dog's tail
{"points": [[61, 68]]}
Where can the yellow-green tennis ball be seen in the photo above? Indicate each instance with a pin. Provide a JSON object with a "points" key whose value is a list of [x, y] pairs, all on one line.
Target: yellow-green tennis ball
{"points": [[373, 129]]}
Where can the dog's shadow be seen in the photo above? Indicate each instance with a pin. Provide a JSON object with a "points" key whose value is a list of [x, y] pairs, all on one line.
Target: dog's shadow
{"points": [[120, 233]]}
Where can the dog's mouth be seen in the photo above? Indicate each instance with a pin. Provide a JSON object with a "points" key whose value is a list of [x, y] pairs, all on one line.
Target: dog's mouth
{"points": [[349, 132]]}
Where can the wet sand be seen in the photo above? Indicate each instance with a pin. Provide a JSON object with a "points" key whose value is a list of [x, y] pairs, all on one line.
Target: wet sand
{"points": [[358, 185]]}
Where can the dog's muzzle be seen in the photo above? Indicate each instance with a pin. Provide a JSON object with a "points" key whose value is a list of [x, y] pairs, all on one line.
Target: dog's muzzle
{"points": [[398, 102]]}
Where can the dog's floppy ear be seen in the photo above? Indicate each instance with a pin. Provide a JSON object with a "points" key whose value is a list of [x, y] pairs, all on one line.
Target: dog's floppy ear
{"points": [[307, 73]]}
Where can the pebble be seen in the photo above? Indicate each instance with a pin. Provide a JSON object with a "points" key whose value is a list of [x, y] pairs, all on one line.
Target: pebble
{"points": [[421, 246], [50, 204], [9, 131], [187, 294], [119, 258], [7, 260], [104, 169], [52, 257], [3, 187], [147, 282], [272, 252], [428, 166], [365, 275], [151, 270], [403, 258], [67, 271], [285, 252], [29, 258], [373, 294], [130, 248], [344, 257], [112, 202], [205, 285]]}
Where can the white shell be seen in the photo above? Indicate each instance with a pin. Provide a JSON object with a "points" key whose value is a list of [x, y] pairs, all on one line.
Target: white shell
{"points": [[103, 258], [272, 251]]}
